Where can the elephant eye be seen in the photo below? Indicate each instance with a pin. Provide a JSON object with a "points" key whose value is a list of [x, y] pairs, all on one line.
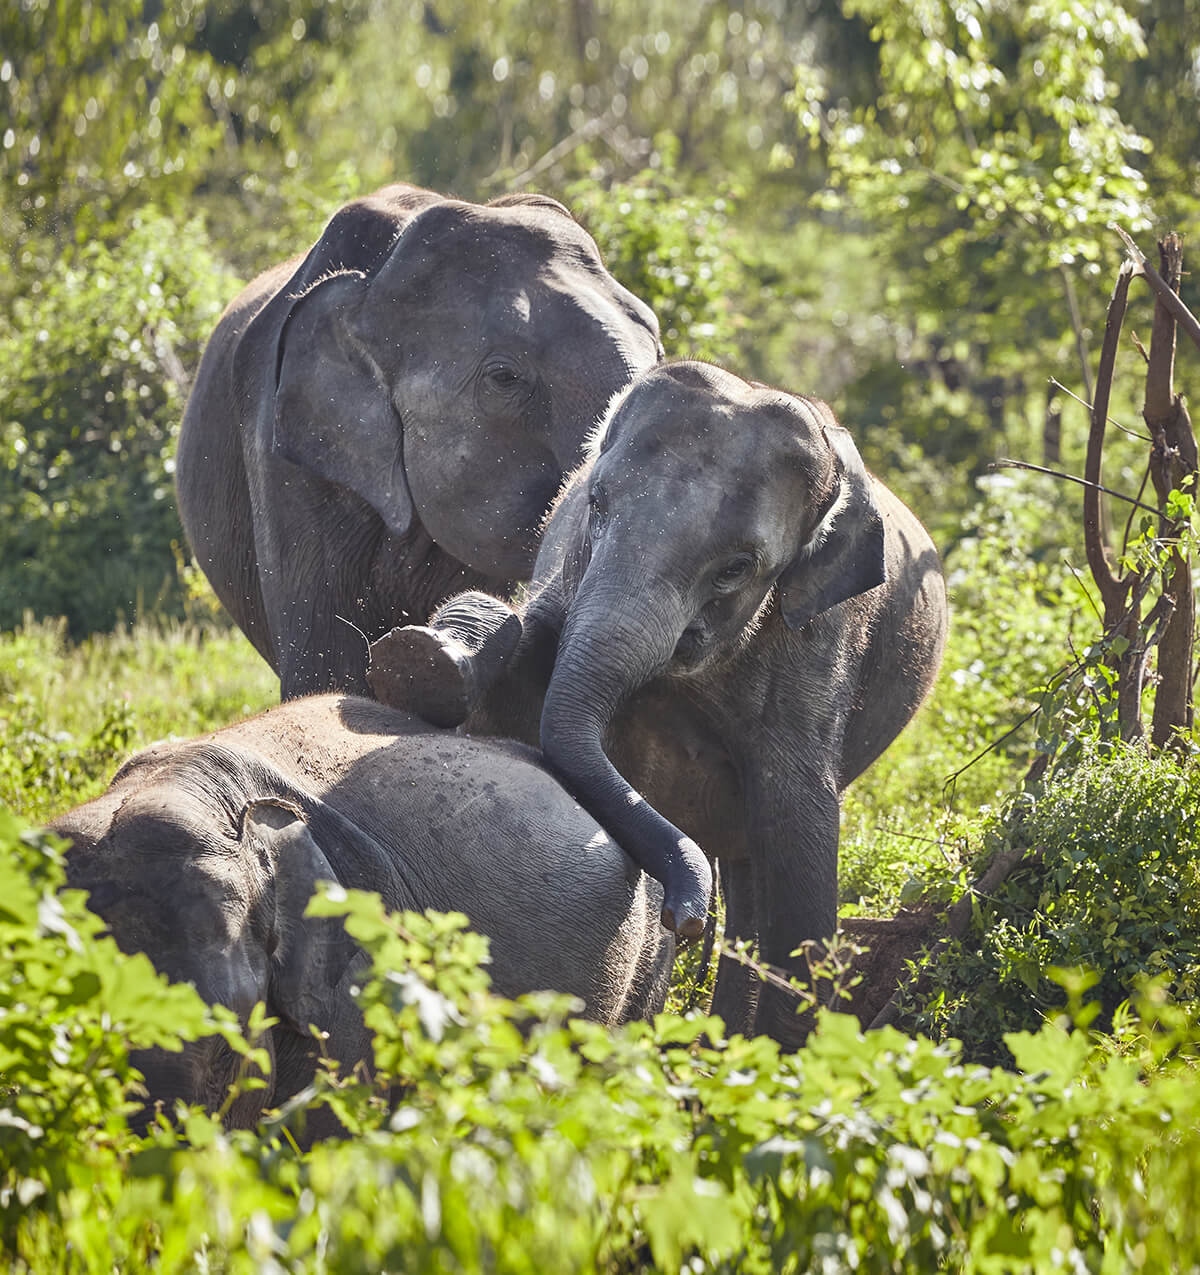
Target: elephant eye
{"points": [[735, 573], [502, 376], [597, 510]]}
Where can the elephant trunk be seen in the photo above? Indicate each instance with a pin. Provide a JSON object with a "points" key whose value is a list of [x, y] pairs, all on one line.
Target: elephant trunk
{"points": [[608, 650]]}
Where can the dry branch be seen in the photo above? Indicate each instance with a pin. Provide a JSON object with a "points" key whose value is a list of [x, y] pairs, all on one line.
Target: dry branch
{"points": [[1113, 591], [1163, 290], [1006, 462], [1172, 460]]}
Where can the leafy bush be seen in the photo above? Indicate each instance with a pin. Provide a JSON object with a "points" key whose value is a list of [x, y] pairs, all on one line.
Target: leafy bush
{"points": [[1013, 608], [71, 1007], [673, 251], [1115, 888], [507, 1137], [95, 364]]}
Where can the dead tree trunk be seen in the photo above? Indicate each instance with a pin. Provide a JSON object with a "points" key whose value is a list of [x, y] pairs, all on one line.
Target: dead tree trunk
{"points": [[1171, 623], [1172, 460]]}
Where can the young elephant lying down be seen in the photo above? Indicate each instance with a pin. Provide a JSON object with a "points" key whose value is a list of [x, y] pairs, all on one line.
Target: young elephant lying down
{"points": [[204, 854]]}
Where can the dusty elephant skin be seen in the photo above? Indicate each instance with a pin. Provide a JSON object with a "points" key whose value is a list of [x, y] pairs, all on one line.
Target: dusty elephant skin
{"points": [[731, 609], [204, 854], [385, 421]]}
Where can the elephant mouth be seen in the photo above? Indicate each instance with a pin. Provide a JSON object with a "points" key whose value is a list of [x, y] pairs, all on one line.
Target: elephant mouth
{"points": [[693, 647]]}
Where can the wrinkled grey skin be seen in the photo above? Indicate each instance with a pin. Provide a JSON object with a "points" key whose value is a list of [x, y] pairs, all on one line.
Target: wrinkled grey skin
{"points": [[731, 620], [385, 420], [204, 854]]}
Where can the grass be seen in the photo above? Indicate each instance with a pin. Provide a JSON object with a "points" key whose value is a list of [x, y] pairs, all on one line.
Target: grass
{"points": [[71, 713]]}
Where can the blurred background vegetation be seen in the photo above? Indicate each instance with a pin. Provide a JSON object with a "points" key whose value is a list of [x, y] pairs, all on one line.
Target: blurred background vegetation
{"points": [[901, 208]]}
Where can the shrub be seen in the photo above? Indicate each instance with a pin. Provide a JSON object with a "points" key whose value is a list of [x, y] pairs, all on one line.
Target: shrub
{"points": [[1115, 888], [71, 1007], [507, 1137], [677, 252], [96, 363]]}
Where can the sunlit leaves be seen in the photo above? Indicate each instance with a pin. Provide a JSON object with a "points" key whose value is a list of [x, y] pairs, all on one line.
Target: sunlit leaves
{"points": [[513, 1139], [96, 359]]}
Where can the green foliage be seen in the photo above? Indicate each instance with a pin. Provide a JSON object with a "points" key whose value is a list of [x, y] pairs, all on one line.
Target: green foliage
{"points": [[516, 1139], [98, 101], [71, 1007], [994, 150], [70, 714], [673, 251], [1015, 608], [1115, 889], [94, 363]]}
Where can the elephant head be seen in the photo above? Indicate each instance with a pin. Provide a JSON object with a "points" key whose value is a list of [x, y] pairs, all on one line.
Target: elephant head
{"points": [[455, 381], [713, 506], [215, 893], [386, 420]]}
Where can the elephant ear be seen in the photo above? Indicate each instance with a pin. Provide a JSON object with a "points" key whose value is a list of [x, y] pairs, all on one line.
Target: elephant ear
{"points": [[332, 413], [314, 390], [844, 556], [311, 954]]}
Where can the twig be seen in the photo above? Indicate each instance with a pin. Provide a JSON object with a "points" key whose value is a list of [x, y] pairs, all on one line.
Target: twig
{"points": [[1077, 328], [1162, 289], [1132, 511], [585, 132], [1074, 570], [952, 779], [1058, 385], [1005, 462]]}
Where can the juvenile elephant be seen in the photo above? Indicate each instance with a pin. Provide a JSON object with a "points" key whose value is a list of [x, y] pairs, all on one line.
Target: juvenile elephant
{"points": [[385, 420], [204, 853], [734, 611]]}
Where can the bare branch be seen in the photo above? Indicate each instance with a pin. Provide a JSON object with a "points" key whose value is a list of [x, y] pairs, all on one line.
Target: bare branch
{"points": [[1077, 327], [1172, 460], [1112, 590], [1162, 289], [585, 132], [1058, 385], [1160, 369], [1005, 462]]}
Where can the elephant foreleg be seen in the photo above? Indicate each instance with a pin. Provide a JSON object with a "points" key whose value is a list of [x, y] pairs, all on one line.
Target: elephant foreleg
{"points": [[735, 996], [795, 839], [477, 662]]}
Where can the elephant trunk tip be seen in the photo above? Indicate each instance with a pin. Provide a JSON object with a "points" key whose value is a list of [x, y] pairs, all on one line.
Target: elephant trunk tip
{"points": [[686, 891]]}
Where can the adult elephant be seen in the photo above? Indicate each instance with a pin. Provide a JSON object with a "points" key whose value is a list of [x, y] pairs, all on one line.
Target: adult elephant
{"points": [[385, 420], [733, 611], [204, 853]]}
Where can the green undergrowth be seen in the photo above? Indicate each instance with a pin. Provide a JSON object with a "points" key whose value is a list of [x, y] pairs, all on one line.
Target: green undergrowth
{"points": [[519, 1139], [1017, 614], [70, 713], [1110, 882]]}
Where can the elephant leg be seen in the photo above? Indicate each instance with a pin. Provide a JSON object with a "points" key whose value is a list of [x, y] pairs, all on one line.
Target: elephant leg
{"points": [[441, 671], [735, 996], [795, 838], [477, 662], [314, 594]]}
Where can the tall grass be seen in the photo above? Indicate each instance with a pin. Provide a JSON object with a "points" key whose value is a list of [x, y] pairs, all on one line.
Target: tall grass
{"points": [[70, 713]]}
